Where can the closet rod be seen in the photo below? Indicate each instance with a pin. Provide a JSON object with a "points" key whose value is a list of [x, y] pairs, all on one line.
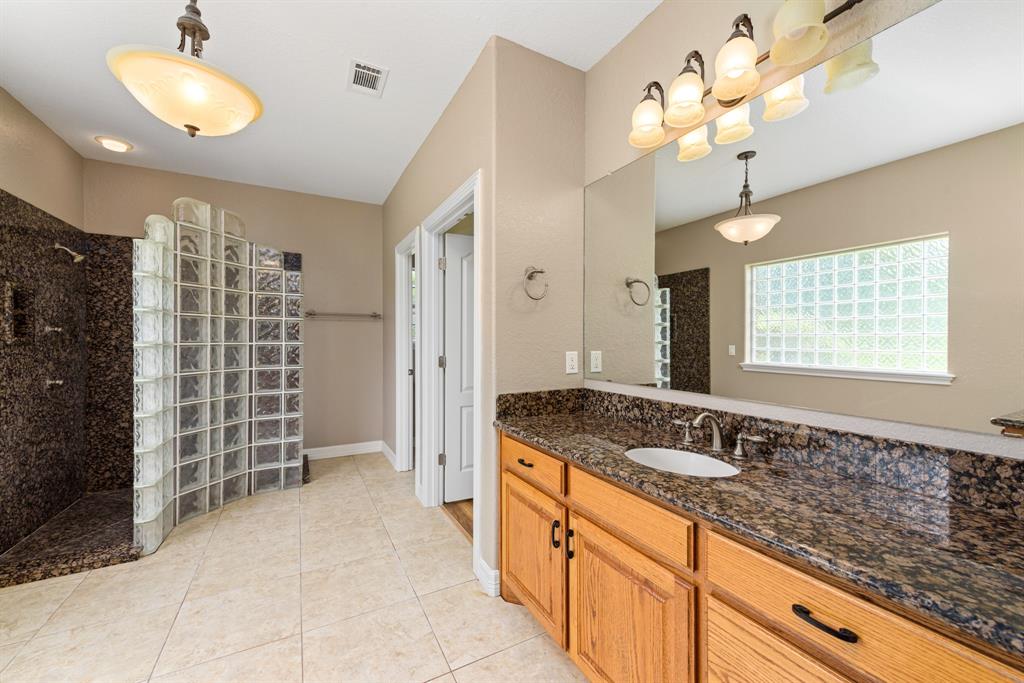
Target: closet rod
{"points": [[313, 315]]}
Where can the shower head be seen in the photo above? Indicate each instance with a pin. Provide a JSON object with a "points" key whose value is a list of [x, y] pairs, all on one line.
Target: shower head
{"points": [[78, 258]]}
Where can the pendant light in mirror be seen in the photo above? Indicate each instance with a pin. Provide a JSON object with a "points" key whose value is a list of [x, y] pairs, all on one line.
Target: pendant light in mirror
{"points": [[746, 227], [647, 117], [736, 73], [849, 69], [686, 94], [733, 125], [180, 89], [785, 101], [694, 145], [800, 31]]}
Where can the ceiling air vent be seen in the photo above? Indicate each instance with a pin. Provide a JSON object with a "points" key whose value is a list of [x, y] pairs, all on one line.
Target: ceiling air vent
{"points": [[367, 78]]}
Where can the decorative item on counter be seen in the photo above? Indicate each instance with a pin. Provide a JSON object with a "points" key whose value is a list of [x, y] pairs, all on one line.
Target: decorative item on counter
{"points": [[733, 126], [736, 73], [686, 94], [647, 118], [800, 31], [785, 101], [745, 226], [694, 145], [849, 69]]}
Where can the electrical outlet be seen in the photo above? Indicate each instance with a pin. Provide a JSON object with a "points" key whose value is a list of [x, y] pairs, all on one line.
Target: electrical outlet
{"points": [[572, 363], [732, 349], [595, 361]]}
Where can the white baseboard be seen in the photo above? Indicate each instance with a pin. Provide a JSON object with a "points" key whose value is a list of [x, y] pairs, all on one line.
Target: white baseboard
{"points": [[389, 454], [490, 579], [348, 449]]}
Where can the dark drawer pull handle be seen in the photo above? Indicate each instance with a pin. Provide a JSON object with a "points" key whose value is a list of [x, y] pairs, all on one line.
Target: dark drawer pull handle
{"points": [[555, 543], [524, 463], [844, 634], [569, 552]]}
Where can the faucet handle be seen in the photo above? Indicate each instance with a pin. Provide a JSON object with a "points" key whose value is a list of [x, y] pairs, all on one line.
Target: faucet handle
{"points": [[687, 438], [740, 438]]}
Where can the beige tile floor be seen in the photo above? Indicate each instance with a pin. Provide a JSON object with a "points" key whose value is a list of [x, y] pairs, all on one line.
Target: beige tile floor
{"points": [[346, 579]]}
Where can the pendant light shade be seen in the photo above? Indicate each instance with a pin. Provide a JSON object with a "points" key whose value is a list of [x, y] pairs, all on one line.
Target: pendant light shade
{"points": [[733, 126], [736, 73], [785, 101], [647, 117], [180, 89], [686, 94], [800, 31], [851, 68], [694, 145], [746, 227]]}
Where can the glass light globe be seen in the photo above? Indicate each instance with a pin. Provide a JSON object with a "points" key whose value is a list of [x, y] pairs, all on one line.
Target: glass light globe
{"points": [[736, 69], [785, 100], [184, 92], [694, 145], [746, 229], [851, 68], [685, 100], [800, 31], [733, 125], [647, 130]]}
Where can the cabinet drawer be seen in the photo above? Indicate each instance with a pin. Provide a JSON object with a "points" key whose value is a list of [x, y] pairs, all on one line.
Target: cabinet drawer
{"points": [[887, 646], [532, 465], [740, 649], [665, 536]]}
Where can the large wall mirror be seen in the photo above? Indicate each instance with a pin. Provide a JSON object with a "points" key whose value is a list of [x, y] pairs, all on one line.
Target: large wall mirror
{"points": [[892, 285]]}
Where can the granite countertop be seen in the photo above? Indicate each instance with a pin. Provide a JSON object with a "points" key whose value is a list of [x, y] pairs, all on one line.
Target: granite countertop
{"points": [[959, 565], [1010, 420]]}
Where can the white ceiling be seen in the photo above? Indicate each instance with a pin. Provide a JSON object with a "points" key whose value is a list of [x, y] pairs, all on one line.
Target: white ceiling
{"points": [[950, 73], [315, 136]]}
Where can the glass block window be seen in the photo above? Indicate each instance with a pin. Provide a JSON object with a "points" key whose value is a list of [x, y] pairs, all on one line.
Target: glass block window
{"points": [[662, 342], [876, 309]]}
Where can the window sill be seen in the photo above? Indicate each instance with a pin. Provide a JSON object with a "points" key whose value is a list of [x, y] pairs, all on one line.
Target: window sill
{"points": [[941, 378]]}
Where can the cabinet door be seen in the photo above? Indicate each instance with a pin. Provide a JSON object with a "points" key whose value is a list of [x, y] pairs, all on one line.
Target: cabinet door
{"points": [[630, 618], [532, 558]]}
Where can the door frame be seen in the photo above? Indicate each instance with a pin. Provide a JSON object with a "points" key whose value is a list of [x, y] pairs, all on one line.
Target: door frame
{"points": [[404, 434], [430, 384]]}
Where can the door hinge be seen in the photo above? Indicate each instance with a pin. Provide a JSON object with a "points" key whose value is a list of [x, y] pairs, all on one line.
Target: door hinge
{"points": [[442, 362], [442, 263], [442, 459]]}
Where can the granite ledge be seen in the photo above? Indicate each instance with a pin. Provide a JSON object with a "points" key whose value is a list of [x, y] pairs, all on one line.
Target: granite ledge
{"points": [[951, 563]]}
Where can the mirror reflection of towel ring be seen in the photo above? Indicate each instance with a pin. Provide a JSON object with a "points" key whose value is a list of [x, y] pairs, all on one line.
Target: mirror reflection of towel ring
{"points": [[529, 275], [630, 281]]}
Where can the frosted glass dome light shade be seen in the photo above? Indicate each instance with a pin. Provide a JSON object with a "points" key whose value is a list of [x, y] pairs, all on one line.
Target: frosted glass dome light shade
{"points": [[685, 105], [800, 32], [785, 101], [733, 126], [694, 145], [849, 69], [736, 73], [183, 91], [647, 119], [747, 229]]}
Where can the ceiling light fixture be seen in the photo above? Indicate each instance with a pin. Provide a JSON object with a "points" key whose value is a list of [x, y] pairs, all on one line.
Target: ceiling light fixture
{"points": [[786, 100], [733, 126], [686, 94], [647, 117], [800, 31], [694, 145], [113, 144], [745, 226], [736, 73], [849, 69], [180, 89]]}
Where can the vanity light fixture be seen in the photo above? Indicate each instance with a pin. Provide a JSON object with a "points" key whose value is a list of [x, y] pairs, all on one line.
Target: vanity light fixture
{"points": [[647, 117], [733, 126], [113, 144], [785, 101], [180, 89], [745, 226], [694, 145], [849, 69], [736, 73], [800, 31], [686, 94]]}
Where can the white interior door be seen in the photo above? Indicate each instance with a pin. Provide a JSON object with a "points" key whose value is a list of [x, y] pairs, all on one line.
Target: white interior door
{"points": [[458, 373]]}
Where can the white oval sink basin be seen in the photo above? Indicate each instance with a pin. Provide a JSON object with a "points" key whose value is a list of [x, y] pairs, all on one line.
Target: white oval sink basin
{"points": [[681, 462]]}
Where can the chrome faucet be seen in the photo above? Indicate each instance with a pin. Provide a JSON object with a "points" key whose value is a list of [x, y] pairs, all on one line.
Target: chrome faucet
{"points": [[716, 429]]}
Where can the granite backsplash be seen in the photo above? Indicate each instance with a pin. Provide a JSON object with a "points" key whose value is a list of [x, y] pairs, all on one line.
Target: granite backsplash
{"points": [[979, 480]]}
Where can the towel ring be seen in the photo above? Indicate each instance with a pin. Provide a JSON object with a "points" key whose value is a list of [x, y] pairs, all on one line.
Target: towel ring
{"points": [[630, 281], [528, 276]]}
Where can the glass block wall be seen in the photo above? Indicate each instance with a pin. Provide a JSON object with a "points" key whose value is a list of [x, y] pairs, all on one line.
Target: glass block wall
{"points": [[662, 337], [153, 324]]}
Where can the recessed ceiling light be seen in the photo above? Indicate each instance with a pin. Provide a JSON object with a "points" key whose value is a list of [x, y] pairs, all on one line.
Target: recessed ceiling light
{"points": [[113, 144]]}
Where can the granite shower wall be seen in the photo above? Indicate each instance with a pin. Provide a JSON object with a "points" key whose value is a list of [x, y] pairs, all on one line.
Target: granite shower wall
{"points": [[690, 320]]}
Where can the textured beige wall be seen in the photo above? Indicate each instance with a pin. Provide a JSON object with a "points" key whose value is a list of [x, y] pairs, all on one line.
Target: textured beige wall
{"points": [[620, 244], [36, 165], [340, 242], [970, 190]]}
